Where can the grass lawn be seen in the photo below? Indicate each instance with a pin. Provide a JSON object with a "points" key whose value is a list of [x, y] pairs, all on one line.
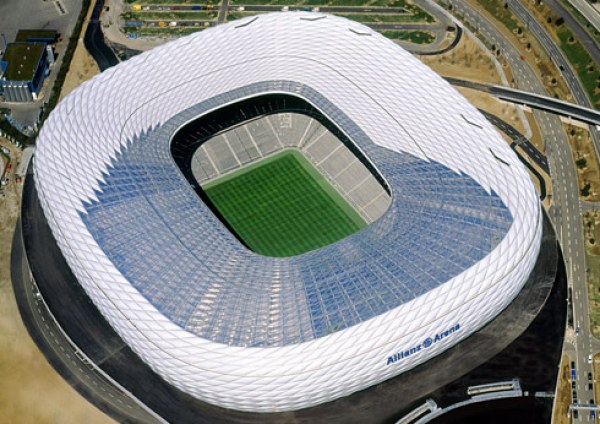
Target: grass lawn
{"points": [[174, 16], [385, 18], [391, 3], [591, 231], [168, 2], [582, 63], [168, 31], [232, 16], [417, 37], [347, 2], [497, 9], [282, 206]]}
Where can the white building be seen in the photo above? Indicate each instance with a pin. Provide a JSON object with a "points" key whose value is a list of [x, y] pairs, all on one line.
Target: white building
{"points": [[244, 331]]}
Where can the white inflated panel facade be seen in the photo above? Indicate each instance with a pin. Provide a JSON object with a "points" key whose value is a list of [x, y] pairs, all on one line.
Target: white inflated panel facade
{"points": [[399, 103]]}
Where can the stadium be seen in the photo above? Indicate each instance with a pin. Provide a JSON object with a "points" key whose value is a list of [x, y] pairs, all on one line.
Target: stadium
{"points": [[275, 222]]}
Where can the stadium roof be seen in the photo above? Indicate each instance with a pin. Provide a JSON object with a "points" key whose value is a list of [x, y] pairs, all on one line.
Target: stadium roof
{"points": [[453, 249]]}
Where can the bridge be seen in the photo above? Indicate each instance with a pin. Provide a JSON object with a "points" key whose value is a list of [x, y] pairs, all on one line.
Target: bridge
{"points": [[533, 100]]}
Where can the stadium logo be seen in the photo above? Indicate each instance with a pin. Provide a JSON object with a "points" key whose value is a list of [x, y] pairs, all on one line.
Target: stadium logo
{"points": [[427, 343]]}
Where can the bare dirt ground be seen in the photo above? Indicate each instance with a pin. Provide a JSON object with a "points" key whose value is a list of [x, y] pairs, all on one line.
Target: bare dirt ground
{"points": [[30, 390], [559, 415], [465, 61], [536, 137], [83, 67], [503, 110], [586, 163], [468, 61]]}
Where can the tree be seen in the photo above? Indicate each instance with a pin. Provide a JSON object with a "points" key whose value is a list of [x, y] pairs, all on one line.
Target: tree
{"points": [[585, 191]]}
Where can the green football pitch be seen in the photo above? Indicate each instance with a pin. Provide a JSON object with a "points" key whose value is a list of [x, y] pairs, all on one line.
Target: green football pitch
{"points": [[282, 206]]}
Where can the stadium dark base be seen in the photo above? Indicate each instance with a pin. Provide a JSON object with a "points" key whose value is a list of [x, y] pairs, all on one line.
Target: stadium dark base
{"points": [[504, 340]]}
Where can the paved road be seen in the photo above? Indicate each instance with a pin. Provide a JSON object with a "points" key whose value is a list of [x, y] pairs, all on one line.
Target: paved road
{"points": [[565, 212], [519, 140], [533, 100], [584, 345], [61, 352], [432, 49], [554, 52], [580, 32], [588, 11], [589, 206], [550, 104], [223, 11], [559, 59]]}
